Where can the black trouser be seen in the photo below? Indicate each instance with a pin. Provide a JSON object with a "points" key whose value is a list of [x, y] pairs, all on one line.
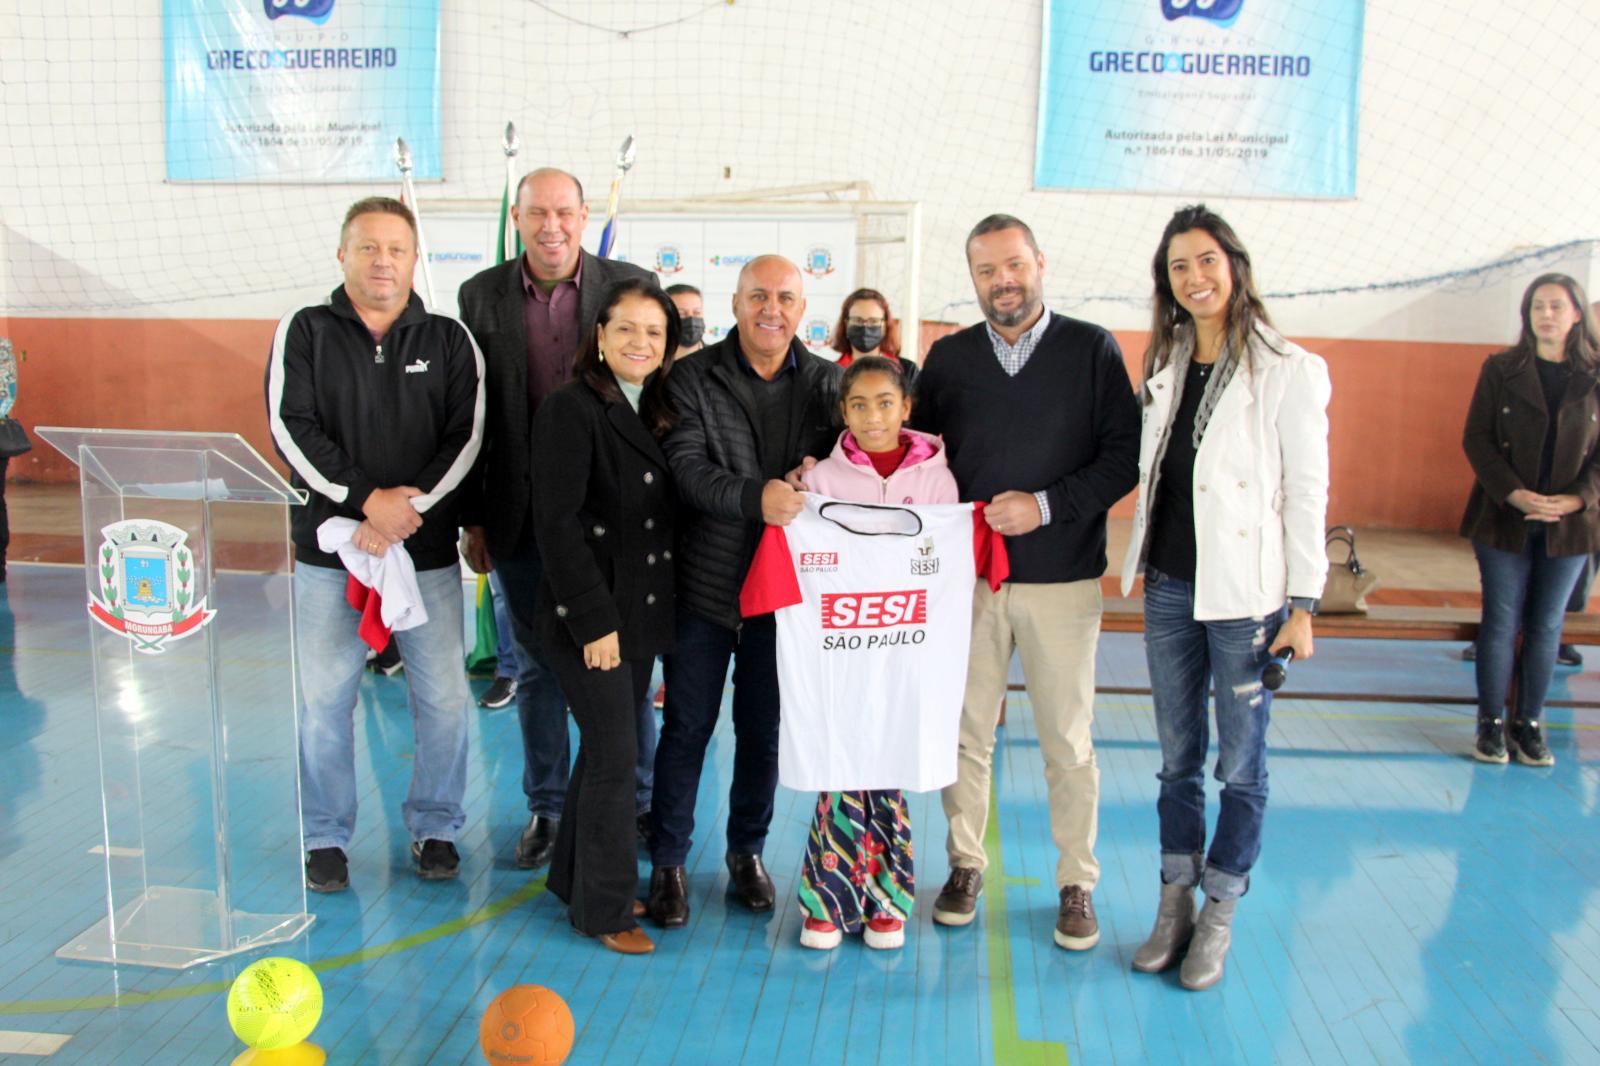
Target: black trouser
{"points": [[594, 869], [696, 671], [5, 523]]}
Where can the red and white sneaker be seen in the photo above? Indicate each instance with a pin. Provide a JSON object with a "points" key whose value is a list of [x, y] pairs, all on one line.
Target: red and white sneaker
{"points": [[884, 933], [824, 936]]}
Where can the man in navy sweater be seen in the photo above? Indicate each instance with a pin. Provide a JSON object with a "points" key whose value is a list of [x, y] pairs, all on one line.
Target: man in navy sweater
{"points": [[1039, 419]]}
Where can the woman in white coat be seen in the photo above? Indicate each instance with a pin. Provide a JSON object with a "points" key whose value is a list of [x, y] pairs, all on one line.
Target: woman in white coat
{"points": [[1228, 532]]}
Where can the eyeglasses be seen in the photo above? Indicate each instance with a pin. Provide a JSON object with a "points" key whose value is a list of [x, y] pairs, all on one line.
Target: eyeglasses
{"points": [[863, 321]]}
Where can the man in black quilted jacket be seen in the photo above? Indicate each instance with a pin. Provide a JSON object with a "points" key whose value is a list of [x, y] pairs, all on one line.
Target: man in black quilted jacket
{"points": [[750, 408]]}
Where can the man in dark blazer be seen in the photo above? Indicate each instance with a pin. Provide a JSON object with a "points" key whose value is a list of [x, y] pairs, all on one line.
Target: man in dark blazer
{"points": [[530, 316]]}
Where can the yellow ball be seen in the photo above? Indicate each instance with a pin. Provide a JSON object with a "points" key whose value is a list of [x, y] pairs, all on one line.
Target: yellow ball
{"points": [[274, 1003]]}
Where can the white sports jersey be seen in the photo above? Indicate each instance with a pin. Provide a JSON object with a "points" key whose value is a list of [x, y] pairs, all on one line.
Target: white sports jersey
{"points": [[874, 615]]}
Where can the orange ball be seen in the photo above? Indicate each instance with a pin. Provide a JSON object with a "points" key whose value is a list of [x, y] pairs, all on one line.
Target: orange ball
{"points": [[526, 1025]]}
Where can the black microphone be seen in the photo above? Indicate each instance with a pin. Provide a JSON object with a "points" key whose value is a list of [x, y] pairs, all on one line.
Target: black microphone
{"points": [[1275, 673]]}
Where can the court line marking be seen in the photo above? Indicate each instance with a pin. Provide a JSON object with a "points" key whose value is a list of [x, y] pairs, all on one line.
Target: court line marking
{"points": [[488, 912], [42, 1045], [1009, 1047]]}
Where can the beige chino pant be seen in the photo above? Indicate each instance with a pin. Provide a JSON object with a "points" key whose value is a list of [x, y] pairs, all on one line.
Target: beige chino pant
{"points": [[1056, 628]]}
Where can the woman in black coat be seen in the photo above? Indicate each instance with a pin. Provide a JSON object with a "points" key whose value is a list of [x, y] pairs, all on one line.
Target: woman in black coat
{"points": [[1533, 439], [602, 513]]}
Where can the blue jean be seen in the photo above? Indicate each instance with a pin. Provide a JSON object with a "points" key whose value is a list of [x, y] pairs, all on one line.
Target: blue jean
{"points": [[541, 706], [696, 673], [1524, 591], [505, 645], [1187, 658], [331, 656]]}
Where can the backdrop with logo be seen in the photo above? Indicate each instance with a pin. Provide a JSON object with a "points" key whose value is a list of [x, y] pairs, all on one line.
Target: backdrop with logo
{"points": [[708, 251], [1222, 97], [300, 90]]}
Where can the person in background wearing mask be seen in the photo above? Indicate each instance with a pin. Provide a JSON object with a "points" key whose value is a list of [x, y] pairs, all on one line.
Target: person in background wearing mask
{"points": [[866, 327], [691, 319]]}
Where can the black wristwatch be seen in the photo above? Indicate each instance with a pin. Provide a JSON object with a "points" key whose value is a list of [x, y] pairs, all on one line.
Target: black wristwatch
{"points": [[1305, 603]]}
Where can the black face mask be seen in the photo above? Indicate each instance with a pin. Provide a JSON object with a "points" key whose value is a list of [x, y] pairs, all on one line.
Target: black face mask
{"points": [[690, 329], [864, 338]]}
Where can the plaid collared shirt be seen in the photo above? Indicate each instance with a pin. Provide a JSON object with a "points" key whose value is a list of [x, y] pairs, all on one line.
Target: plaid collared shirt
{"points": [[1013, 357]]}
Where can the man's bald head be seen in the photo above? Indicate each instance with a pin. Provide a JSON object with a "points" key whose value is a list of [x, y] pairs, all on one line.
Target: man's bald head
{"points": [[546, 173], [769, 267], [768, 305]]}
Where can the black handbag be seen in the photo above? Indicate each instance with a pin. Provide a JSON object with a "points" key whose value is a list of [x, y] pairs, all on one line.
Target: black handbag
{"points": [[13, 439]]}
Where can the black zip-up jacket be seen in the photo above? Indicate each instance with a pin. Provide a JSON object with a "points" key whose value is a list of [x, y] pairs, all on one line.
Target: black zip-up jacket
{"points": [[715, 454], [350, 415]]}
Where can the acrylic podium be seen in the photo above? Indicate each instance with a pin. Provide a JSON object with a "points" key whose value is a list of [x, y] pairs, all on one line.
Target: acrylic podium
{"points": [[187, 563]]}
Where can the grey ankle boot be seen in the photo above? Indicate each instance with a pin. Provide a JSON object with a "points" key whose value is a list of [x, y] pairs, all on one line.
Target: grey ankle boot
{"points": [[1213, 933], [1174, 924]]}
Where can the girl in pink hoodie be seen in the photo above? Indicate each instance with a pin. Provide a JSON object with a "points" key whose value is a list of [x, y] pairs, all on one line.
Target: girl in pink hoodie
{"points": [[857, 875]]}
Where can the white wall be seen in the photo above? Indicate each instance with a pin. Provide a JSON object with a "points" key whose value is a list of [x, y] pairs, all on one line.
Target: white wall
{"points": [[1475, 143]]}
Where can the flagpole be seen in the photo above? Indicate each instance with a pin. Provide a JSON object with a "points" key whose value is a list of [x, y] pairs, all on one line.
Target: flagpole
{"points": [[510, 239], [625, 156], [408, 195]]}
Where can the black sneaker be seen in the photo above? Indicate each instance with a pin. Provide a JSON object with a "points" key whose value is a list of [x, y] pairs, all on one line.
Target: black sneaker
{"points": [[327, 870], [1491, 746], [436, 860], [1528, 738], [387, 662], [498, 694], [1567, 655], [1470, 652], [958, 899]]}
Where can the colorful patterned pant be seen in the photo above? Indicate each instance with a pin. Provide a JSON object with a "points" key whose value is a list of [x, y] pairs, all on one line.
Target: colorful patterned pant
{"points": [[858, 860]]}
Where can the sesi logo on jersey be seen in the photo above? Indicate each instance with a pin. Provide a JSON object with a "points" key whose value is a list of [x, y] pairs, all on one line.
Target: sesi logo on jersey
{"points": [[874, 610]]}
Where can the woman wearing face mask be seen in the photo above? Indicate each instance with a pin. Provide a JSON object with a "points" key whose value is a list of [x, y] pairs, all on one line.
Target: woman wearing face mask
{"points": [[691, 319], [603, 516], [866, 327], [1531, 438], [1233, 493]]}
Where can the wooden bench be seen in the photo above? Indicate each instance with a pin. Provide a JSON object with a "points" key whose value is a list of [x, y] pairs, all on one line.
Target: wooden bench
{"points": [[1381, 622]]}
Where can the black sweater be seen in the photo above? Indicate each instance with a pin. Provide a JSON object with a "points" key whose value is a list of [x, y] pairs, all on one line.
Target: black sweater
{"points": [[1068, 424]]}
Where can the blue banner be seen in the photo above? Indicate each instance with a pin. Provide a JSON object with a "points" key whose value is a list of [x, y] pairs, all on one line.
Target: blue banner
{"points": [[301, 90], [1219, 97]]}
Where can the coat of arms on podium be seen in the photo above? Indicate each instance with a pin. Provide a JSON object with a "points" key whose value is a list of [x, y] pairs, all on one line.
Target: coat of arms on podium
{"points": [[147, 578]]}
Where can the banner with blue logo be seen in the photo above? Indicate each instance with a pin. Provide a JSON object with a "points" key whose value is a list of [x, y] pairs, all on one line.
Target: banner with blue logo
{"points": [[301, 90], [1220, 97]]}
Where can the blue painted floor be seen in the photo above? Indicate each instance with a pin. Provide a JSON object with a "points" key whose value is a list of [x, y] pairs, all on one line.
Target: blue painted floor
{"points": [[1409, 906]]}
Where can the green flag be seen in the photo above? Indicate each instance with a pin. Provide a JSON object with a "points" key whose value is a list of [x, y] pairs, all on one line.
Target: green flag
{"points": [[483, 656]]}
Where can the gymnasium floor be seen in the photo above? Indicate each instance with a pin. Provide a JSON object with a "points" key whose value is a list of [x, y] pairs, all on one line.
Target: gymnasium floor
{"points": [[1410, 905]]}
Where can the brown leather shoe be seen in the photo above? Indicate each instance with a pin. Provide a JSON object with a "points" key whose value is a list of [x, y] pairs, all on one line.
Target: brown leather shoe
{"points": [[1077, 929], [639, 909], [633, 941]]}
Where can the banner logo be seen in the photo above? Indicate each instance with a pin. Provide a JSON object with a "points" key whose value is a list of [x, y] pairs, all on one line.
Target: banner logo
{"points": [[147, 585], [1222, 12], [819, 562], [926, 562], [315, 10], [668, 259], [816, 333], [819, 262]]}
